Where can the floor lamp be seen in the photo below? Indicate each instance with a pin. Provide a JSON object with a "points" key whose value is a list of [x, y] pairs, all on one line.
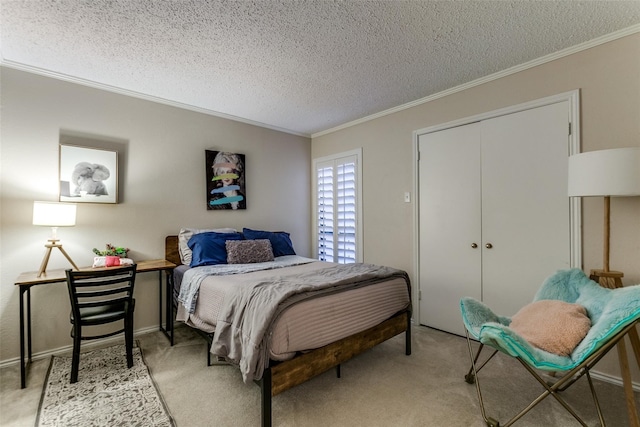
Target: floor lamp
{"points": [[610, 173], [54, 215]]}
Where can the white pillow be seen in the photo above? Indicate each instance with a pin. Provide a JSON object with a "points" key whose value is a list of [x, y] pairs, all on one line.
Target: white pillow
{"points": [[186, 233]]}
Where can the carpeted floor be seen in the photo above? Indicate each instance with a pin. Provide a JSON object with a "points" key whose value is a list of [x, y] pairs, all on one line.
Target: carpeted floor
{"points": [[381, 387]]}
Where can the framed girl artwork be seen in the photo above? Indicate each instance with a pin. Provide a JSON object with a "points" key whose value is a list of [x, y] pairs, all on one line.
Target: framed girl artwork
{"points": [[225, 174]]}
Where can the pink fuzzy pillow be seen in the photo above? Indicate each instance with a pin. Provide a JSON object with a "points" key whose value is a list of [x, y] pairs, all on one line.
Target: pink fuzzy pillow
{"points": [[554, 326]]}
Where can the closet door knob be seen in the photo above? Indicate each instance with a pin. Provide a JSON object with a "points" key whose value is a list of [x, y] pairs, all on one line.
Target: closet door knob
{"points": [[488, 246], [474, 245]]}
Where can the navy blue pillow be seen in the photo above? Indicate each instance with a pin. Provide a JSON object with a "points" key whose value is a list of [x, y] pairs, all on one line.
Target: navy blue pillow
{"points": [[280, 241], [209, 248]]}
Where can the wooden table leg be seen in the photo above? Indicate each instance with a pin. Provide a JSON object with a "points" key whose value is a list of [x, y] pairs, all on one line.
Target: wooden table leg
{"points": [[635, 343], [23, 373], [613, 280], [628, 386]]}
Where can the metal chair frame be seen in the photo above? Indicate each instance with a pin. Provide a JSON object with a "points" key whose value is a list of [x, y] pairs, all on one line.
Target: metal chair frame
{"points": [[564, 382], [100, 297]]}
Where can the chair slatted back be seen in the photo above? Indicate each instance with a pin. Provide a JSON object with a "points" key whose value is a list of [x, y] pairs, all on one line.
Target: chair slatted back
{"points": [[95, 288]]}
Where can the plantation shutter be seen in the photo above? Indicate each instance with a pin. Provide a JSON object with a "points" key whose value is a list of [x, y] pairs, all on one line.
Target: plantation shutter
{"points": [[336, 210]]}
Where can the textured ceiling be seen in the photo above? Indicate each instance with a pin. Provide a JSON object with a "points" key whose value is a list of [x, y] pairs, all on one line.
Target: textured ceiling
{"points": [[301, 66]]}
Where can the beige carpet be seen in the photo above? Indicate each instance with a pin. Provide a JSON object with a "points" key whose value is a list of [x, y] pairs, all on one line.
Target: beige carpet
{"points": [[381, 387]]}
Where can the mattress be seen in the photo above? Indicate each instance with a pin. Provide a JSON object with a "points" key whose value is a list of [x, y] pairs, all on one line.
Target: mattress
{"points": [[311, 323]]}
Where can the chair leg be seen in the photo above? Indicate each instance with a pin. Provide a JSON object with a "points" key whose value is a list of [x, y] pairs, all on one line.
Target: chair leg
{"points": [[472, 377], [75, 360], [549, 390], [595, 398], [128, 337]]}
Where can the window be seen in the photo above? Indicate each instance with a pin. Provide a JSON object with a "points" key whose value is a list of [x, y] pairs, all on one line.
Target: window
{"points": [[338, 234]]}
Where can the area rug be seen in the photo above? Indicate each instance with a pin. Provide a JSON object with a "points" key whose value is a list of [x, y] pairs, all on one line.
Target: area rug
{"points": [[107, 392]]}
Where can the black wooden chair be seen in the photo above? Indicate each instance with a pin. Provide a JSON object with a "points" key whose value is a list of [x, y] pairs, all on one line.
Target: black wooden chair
{"points": [[99, 297]]}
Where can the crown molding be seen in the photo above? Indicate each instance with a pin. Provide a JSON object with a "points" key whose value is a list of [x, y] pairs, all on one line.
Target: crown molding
{"points": [[516, 69], [109, 88]]}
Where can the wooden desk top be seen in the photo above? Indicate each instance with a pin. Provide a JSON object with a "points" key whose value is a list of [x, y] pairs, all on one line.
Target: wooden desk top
{"points": [[60, 275]]}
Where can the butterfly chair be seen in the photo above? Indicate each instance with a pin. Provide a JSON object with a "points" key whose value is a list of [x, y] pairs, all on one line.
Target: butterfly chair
{"points": [[612, 314], [99, 297]]}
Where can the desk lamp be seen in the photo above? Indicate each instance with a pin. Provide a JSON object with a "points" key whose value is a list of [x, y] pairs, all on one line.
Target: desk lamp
{"points": [[54, 215]]}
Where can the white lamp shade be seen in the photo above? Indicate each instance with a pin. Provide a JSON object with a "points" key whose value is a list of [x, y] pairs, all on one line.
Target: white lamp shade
{"points": [[613, 172], [54, 214]]}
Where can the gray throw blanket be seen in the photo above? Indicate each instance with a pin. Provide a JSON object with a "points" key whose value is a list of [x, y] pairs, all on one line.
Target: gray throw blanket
{"points": [[193, 277], [245, 320]]}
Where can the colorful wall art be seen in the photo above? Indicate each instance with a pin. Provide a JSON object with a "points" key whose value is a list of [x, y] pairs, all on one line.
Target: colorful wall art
{"points": [[225, 180]]}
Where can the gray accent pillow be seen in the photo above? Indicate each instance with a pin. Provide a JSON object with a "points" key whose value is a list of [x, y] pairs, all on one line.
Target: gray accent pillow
{"points": [[248, 251]]}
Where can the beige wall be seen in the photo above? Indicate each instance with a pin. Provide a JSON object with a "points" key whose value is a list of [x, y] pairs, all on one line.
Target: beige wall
{"points": [[608, 77], [162, 183]]}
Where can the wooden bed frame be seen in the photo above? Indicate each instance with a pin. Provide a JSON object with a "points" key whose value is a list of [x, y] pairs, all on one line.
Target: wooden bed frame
{"points": [[281, 376]]}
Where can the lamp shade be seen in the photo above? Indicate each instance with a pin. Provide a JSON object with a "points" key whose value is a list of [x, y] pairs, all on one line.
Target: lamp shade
{"points": [[613, 172], [54, 214]]}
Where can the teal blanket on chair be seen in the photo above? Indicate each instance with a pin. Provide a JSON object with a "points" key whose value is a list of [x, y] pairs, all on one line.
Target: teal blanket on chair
{"points": [[610, 310]]}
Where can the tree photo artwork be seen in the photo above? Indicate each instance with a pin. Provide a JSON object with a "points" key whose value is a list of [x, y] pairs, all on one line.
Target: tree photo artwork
{"points": [[225, 172]]}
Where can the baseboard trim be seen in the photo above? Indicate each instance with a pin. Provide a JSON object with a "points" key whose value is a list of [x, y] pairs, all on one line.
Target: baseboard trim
{"points": [[613, 380], [69, 348], [98, 343]]}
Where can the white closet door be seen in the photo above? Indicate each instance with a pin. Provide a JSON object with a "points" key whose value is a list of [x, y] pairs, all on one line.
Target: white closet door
{"points": [[525, 208], [449, 180]]}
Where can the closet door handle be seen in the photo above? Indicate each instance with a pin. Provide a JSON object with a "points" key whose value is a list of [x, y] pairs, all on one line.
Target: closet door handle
{"points": [[488, 246], [474, 245]]}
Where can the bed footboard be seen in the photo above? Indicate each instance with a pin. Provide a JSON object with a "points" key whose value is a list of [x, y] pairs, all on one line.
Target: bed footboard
{"points": [[288, 374]]}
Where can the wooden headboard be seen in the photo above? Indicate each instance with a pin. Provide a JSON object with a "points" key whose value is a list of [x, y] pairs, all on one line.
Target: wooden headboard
{"points": [[171, 252]]}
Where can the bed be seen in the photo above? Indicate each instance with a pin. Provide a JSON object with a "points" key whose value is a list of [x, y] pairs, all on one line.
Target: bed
{"points": [[328, 314]]}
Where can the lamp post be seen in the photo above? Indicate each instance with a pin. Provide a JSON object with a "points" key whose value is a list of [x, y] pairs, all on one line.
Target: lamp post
{"points": [[610, 173]]}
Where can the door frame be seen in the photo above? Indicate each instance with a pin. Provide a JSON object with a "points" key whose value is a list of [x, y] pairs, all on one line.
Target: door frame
{"points": [[575, 211]]}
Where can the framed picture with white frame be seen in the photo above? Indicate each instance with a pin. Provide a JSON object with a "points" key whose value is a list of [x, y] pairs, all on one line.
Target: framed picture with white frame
{"points": [[88, 175]]}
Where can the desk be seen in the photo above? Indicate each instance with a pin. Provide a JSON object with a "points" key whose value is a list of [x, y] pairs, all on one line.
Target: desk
{"points": [[27, 280]]}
